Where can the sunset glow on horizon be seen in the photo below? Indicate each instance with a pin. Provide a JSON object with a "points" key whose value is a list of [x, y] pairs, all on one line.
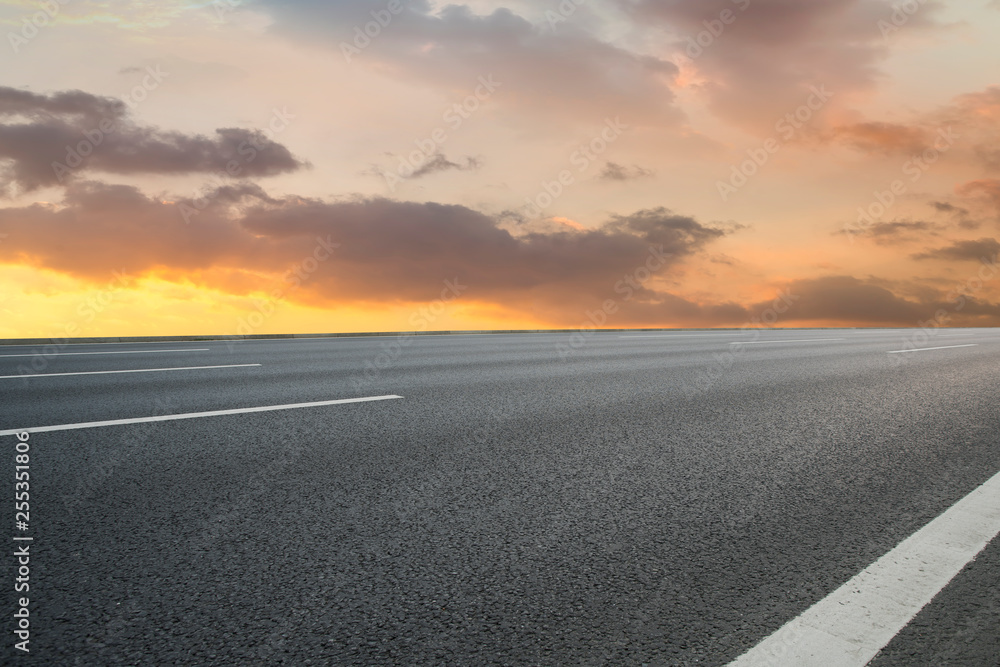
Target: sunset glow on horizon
{"points": [[262, 167]]}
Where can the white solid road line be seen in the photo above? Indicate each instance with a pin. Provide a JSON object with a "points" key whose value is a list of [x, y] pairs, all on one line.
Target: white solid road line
{"points": [[924, 349], [192, 415], [138, 370], [851, 625], [81, 354], [801, 340]]}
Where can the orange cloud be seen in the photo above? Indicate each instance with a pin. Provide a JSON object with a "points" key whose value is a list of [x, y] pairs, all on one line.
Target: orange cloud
{"points": [[989, 187], [878, 137]]}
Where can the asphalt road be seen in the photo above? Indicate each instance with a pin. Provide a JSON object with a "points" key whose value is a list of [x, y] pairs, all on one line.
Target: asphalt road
{"points": [[610, 499]]}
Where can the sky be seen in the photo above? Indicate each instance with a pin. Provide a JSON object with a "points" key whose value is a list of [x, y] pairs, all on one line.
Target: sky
{"points": [[305, 166]]}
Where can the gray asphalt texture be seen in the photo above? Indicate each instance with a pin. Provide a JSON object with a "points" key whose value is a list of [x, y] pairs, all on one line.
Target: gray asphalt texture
{"points": [[959, 627], [644, 500]]}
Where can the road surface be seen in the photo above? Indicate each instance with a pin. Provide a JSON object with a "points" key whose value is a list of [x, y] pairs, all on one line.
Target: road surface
{"points": [[536, 499]]}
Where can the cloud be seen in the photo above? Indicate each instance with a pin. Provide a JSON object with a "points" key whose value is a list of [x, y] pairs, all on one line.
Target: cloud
{"points": [[567, 72], [76, 103], [987, 189], [389, 251], [50, 139], [896, 231], [846, 300], [761, 64], [983, 105], [438, 162], [978, 250], [946, 207], [887, 138], [899, 231], [404, 248], [972, 118], [615, 172]]}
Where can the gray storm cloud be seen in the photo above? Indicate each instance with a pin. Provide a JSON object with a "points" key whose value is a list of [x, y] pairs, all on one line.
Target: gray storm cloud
{"points": [[50, 139], [393, 252], [566, 71]]}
